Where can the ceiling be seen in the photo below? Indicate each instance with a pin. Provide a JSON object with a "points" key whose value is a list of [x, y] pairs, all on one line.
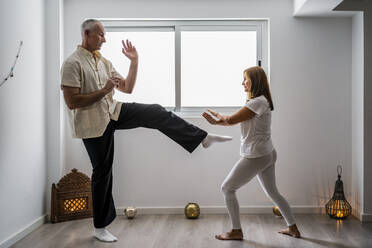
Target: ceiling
{"points": [[318, 8]]}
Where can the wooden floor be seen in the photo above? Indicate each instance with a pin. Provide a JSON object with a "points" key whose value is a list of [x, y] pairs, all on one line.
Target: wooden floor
{"points": [[174, 231]]}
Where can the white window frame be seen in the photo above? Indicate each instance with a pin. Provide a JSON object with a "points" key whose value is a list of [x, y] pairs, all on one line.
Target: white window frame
{"points": [[179, 25]]}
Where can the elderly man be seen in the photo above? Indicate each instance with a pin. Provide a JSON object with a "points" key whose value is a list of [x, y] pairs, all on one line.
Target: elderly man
{"points": [[88, 82]]}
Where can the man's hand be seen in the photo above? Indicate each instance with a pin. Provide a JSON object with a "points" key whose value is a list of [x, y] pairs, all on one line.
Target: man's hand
{"points": [[120, 83], [110, 84], [129, 51]]}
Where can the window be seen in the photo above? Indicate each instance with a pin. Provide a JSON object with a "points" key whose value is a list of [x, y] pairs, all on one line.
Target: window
{"points": [[155, 78], [188, 65]]}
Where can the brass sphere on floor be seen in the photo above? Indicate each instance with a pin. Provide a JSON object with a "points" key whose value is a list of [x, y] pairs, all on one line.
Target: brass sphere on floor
{"points": [[192, 210], [277, 212], [130, 212]]}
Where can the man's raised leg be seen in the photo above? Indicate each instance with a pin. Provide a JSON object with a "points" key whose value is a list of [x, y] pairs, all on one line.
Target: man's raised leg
{"points": [[157, 117]]}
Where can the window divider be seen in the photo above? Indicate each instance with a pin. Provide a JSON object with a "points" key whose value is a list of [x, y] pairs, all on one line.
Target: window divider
{"points": [[177, 57]]}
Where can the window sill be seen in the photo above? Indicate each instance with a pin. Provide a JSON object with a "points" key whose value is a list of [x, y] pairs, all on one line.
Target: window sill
{"points": [[196, 113]]}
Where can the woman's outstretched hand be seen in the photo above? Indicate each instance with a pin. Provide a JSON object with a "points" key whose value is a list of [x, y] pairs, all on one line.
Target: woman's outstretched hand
{"points": [[214, 118]]}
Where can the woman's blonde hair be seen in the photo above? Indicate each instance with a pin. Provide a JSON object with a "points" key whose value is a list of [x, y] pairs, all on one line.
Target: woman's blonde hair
{"points": [[259, 84]]}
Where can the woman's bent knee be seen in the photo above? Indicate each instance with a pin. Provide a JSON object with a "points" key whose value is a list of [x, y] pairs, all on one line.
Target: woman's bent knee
{"points": [[225, 188]]}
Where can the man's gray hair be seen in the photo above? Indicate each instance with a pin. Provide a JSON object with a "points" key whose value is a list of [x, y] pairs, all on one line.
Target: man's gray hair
{"points": [[89, 24]]}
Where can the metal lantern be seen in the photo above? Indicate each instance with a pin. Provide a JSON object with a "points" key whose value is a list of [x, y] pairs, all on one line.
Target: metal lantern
{"points": [[71, 197], [192, 211], [338, 207], [130, 212], [277, 212]]}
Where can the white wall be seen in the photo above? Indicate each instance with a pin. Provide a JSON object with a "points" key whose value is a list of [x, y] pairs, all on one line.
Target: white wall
{"points": [[54, 108], [310, 78], [357, 90], [297, 4], [318, 8], [367, 111], [362, 55], [22, 122], [366, 61]]}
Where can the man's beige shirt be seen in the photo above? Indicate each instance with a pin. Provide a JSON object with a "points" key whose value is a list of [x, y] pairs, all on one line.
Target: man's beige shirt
{"points": [[90, 72]]}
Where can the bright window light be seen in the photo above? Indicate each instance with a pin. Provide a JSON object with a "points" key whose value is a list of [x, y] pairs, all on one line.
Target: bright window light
{"points": [[212, 64], [156, 68]]}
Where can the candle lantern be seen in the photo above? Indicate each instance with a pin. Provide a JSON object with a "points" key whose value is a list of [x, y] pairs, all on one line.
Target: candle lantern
{"points": [[71, 197], [338, 207]]}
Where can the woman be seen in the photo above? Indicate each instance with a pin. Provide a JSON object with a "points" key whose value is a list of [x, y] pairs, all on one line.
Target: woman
{"points": [[258, 155]]}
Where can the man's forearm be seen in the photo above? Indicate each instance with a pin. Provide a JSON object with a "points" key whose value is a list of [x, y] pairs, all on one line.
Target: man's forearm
{"points": [[84, 100], [130, 81]]}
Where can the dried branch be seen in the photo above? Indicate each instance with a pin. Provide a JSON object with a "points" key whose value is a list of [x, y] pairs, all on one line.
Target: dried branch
{"points": [[12, 68]]}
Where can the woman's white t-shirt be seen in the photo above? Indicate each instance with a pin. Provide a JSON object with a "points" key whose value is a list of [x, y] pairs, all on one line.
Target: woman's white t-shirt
{"points": [[256, 132]]}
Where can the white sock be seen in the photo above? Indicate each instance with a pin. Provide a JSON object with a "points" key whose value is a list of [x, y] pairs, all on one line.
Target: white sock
{"points": [[213, 138], [103, 235]]}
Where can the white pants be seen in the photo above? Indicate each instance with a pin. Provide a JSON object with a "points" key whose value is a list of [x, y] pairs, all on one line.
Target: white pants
{"points": [[242, 172]]}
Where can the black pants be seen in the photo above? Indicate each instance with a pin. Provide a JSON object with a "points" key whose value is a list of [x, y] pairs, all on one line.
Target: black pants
{"points": [[101, 149]]}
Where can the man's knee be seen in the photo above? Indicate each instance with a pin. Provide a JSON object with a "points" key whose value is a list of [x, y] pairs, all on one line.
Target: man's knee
{"points": [[158, 110], [156, 106]]}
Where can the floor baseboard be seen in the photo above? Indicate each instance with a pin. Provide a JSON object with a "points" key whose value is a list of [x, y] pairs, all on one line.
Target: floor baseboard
{"points": [[365, 217], [221, 210], [23, 232]]}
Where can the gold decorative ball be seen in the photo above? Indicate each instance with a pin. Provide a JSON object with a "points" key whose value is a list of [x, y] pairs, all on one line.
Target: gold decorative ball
{"points": [[276, 211], [192, 211], [130, 212]]}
